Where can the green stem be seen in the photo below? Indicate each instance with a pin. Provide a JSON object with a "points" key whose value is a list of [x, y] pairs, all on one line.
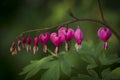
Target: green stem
{"points": [[99, 66], [51, 52], [101, 11], [73, 21]]}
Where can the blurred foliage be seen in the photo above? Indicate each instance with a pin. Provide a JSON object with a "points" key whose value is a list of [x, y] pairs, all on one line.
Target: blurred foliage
{"points": [[95, 61], [17, 16]]}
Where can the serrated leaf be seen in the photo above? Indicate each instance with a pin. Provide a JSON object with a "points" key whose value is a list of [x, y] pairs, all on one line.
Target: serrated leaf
{"points": [[85, 49], [89, 43], [32, 72], [93, 73], [88, 59], [66, 67], [53, 73], [115, 74], [99, 49], [90, 49], [81, 77], [27, 69], [35, 67], [109, 59], [105, 73], [46, 65], [75, 61], [91, 66]]}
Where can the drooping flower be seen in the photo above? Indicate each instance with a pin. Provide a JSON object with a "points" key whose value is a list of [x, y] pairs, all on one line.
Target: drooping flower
{"points": [[19, 45], [57, 40], [78, 37], [13, 48], [68, 34], [35, 48], [104, 34], [44, 38], [24, 40], [28, 46]]}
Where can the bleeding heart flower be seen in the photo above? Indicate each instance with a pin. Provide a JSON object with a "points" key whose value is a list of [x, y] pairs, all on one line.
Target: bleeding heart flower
{"points": [[57, 40], [78, 37], [35, 48], [24, 40], [28, 47], [104, 34], [68, 34], [13, 48], [19, 45], [44, 38]]}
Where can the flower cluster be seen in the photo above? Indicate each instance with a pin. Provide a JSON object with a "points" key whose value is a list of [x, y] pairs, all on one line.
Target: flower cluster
{"points": [[63, 35]]}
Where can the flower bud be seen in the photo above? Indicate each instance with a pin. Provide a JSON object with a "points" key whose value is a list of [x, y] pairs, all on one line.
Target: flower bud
{"points": [[28, 47], [19, 45], [24, 42], [35, 48], [104, 34], [78, 37]]}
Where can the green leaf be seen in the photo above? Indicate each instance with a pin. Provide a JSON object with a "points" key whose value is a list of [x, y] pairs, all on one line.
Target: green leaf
{"points": [[32, 72], [88, 59], [86, 48], [35, 67], [81, 77], [99, 49], [91, 66], [53, 73], [27, 69], [93, 73], [91, 49], [66, 67], [109, 59], [105, 73], [75, 61], [115, 74]]}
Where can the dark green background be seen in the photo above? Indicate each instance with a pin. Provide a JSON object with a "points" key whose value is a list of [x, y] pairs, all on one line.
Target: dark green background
{"points": [[17, 16]]}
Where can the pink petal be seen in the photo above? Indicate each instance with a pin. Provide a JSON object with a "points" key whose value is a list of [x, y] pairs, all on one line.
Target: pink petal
{"points": [[44, 38], [78, 35]]}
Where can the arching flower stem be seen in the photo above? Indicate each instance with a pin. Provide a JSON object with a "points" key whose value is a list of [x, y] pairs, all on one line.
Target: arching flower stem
{"points": [[73, 21]]}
